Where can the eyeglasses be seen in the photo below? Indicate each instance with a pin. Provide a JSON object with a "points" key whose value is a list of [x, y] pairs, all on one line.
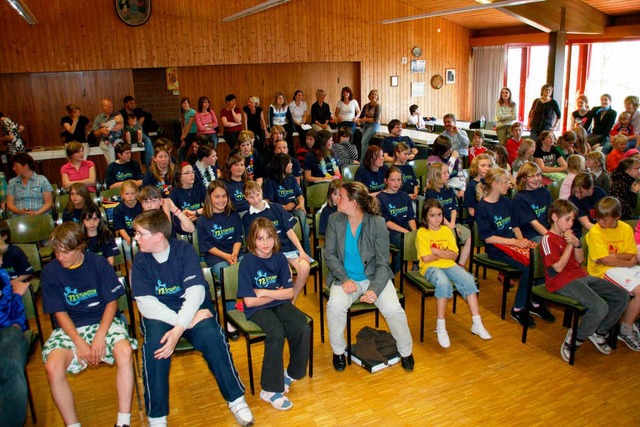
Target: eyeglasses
{"points": [[150, 201]]}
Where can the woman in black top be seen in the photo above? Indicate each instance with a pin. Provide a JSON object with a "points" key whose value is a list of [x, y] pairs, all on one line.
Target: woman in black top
{"points": [[320, 113], [604, 117], [255, 122], [75, 126], [544, 114]]}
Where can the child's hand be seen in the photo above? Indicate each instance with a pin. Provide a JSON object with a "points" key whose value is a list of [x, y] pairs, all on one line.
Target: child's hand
{"points": [[520, 243], [571, 238]]}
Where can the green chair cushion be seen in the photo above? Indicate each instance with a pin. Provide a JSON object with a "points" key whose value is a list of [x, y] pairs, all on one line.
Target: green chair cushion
{"points": [[246, 326], [542, 292], [419, 281], [484, 260]]}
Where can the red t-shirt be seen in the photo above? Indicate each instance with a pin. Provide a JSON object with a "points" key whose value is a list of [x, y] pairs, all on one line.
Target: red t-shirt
{"points": [[613, 159], [552, 247], [512, 149]]}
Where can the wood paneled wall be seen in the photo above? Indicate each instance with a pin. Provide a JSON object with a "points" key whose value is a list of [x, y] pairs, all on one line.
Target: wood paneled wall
{"points": [[77, 35], [37, 100]]}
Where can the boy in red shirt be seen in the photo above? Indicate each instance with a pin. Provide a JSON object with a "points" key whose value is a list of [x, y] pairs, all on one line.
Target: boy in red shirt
{"points": [[619, 143], [514, 142], [562, 254]]}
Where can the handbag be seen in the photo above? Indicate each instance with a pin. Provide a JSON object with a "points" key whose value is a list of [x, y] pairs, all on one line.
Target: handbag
{"points": [[518, 254]]}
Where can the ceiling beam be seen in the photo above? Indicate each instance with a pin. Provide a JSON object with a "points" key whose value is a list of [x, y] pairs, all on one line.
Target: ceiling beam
{"points": [[581, 18]]}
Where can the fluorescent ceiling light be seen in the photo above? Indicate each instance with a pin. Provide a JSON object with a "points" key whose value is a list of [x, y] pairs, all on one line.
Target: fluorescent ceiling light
{"points": [[23, 10], [255, 9], [484, 1], [461, 10]]}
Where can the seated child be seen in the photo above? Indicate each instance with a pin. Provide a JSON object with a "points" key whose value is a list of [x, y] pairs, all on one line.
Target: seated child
{"points": [[575, 165], [548, 157], [395, 136], [79, 198], [344, 151], [14, 260], [309, 140], [397, 210], [566, 143], [438, 189], [531, 202], [513, 144], [441, 152], [525, 154], [437, 251], [100, 239], [619, 143], [266, 289], [477, 171], [174, 301], [283, 221], [409, 181], [613, 256], [124, 214], [584, 196], [562, 254], [81, 289], [623, 127], [333, 196], [476, 145], [595, 164], [625, 185], [123, 168], [133, 131]]}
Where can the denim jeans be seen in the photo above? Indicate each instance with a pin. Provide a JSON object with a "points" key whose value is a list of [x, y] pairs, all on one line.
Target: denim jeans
{"points": [[521, 293], [304, 226], [280, 322], [13, 383], [148, 149], [206, 337], [368, 132], [442, 278], [387, 303], [604, 301]]}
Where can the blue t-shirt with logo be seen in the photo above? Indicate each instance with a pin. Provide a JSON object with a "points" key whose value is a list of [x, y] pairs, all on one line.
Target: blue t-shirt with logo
{"points": [[105, 249], [220, 231], [409, 180], [263, 273], [495, 219], [282, 220], [374, 181], [191, 199], [236, 193], [15, 262], [168, 281], [390, 142], [83, 292], [123, 217], [284, 192], [447, 198], [531, 205], [397, 208]]}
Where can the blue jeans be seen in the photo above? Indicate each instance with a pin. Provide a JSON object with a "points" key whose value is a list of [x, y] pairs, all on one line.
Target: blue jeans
{"points": [[604, 301], [213, 140], [368, 132], [302, 219], [148, 149], [521, 293], [206, 337], [13, 383], [280, 322], [441, 278]]}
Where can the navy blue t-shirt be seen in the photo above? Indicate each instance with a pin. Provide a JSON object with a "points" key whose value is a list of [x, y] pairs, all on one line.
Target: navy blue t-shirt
{"points": [[586, 207], [117, 172], [73, 216], [447, 198], [191, 199], [263, 273], [470, 200], [236, 193], [282, 220], [168, 281], [324, 218], [123, 217], [529, 206], [106, 249], [162, 186], [495, 219], [374, 181], [397, 208], [220, 231], [320, 168], [83, 292], [282, 193], [409, 180], [16, 262], [390, 142]]}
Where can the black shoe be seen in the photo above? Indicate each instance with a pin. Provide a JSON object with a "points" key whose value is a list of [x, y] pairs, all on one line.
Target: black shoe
{"points": [[233, 336], [518, 316], [542, 312], [339, 362], [408, 362]]}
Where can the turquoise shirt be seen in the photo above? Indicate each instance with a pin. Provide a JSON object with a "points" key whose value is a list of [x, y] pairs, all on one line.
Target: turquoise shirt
{"points": [[353, 264]]}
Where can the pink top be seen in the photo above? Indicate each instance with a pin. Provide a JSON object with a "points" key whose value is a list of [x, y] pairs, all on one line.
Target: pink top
{"points": [[203, 119], [80, 173]]}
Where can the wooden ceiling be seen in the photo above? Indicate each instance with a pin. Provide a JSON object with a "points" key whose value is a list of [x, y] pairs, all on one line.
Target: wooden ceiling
{"points": [[495, 18]]}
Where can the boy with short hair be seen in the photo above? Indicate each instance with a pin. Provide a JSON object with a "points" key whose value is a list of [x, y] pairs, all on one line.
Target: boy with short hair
{"points": [[562, 254], [174, 301], [514, 142], [619, 143], [395, 130], [612, 256], [133, 131]]}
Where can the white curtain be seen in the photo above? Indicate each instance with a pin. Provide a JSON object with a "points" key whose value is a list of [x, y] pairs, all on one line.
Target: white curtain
{"points": [[488, 77]]}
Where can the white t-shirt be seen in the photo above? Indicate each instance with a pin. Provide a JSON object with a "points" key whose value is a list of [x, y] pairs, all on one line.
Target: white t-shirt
{"points": [[348, 111], [297, 111]]}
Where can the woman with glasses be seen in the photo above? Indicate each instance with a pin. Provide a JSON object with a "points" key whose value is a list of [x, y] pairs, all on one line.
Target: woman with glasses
{"points": [[151, 198], [188, 195]]}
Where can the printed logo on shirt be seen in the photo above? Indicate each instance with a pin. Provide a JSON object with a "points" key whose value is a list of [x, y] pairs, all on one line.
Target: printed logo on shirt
{"points": [[539, 210], [264, 280], [74, 297], [284, 193], [502, 223], [164, 289], [190, 206], [220, 233], [128, 221], [374, 186], [238, 195], [445, 202], [394, 211], [122, 176]]}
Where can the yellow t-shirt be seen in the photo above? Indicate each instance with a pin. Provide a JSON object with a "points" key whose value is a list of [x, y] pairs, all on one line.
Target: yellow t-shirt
{"points": [[443, 238], [602, 242]]}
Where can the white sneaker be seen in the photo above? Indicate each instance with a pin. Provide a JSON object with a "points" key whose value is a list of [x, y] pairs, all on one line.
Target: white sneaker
{"points": [[443, 338], [600, 343], [477, 328], [241, 411]]}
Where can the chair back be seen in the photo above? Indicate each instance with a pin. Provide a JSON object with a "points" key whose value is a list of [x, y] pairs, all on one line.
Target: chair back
{"points": [[316, 195], [409, 249], [316, 230], [420, 167], [30, 228], [554, 189], [33, 255], [125, 304], [476, 243], [229, 284], [108, 193], [348, 174], [119, 261]]}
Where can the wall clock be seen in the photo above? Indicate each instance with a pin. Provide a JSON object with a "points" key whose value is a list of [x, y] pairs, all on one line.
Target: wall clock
{"points": [[416, 51], [133, 12], [437, 81]]}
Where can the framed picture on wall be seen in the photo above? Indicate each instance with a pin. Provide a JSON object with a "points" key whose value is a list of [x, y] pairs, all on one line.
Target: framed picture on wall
{"points": [[394, 81], [418, 65], [450, 76], [133, 12], [417, 89]]}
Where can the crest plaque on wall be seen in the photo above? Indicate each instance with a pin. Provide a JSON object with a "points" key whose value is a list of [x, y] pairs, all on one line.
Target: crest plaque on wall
{"points": [[133, 12]]}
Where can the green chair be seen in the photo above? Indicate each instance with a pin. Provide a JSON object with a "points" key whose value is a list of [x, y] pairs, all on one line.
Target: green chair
{"points": [[33, 337], [315, 196], [32, 229], [252, 332], [108, 193], [313, 267], [349, 173], [33, 255], [481, 259], [421, 169], [191, 238], [554, 189]]}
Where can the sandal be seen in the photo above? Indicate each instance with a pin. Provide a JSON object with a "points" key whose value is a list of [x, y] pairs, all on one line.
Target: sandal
{"points": [[277, 400]]}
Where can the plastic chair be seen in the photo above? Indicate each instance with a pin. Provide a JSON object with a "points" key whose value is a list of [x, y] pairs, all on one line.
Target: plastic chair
{"points": [[349, 173], [33, 337], [32, 229], [252, 332], [313, 267]]}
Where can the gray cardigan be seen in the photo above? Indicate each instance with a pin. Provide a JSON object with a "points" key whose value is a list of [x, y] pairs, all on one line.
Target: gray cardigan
{"points": [[373, 246]]}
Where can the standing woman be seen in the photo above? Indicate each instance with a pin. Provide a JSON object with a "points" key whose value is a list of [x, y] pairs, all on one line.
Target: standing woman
{"points": [[253, 119], [298, 112], [370, 121], [347, 110], [604, 117], [357, 254], [75, 126], [320, 113], [189, 128], [206, 121], [544, 114], [505, 115]]}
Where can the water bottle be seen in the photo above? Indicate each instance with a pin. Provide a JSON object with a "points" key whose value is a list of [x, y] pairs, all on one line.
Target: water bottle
{"points": [[483, 121]]}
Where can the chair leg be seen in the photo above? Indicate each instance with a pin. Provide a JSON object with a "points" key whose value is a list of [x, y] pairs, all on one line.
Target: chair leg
{"points": [[135, 378], [567, 318], [311, 349], [505, 290], [349, 337], [455, 300], [253, 390], [422, 317], [613, 336], [32, 406], [574, 337], [321, 315], [377, 319]]}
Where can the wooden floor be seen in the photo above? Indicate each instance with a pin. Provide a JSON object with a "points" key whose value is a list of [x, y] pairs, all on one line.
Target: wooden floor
{"points": [[474, 382]]}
